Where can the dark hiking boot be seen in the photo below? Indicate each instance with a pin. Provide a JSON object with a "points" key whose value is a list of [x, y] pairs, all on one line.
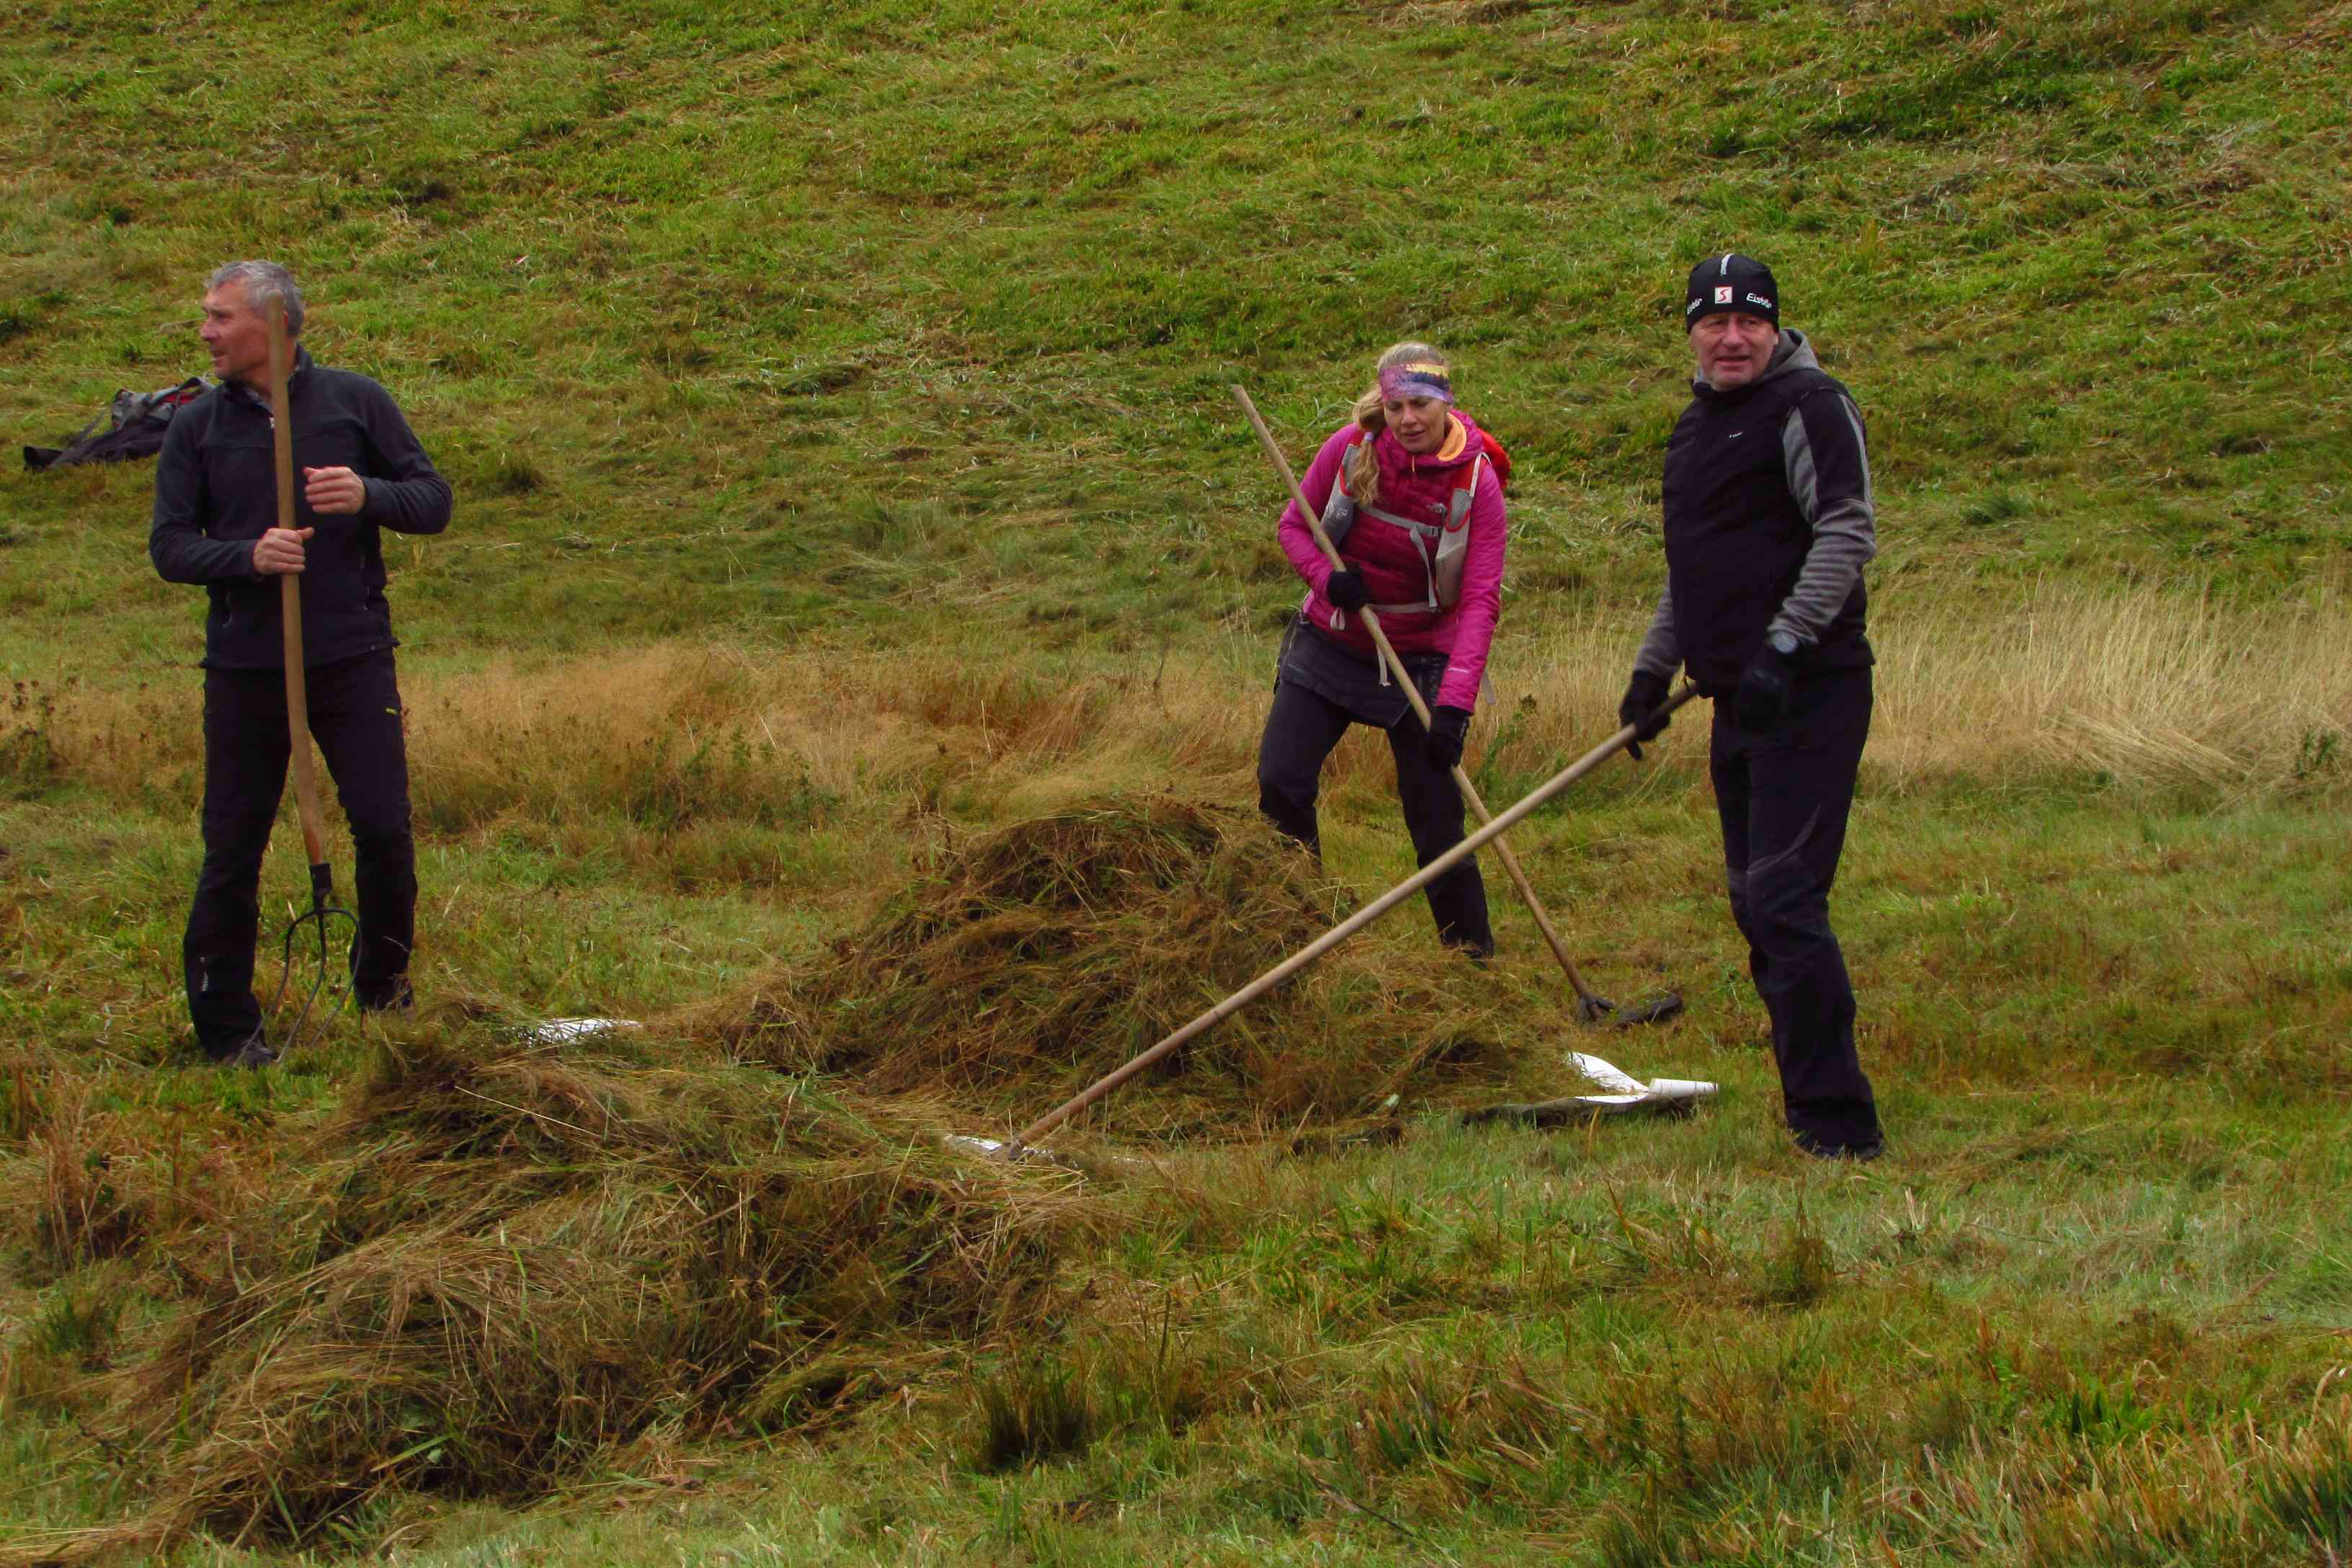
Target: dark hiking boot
{"points": [[1861, 1154], [398, 999], [254, 1053]]}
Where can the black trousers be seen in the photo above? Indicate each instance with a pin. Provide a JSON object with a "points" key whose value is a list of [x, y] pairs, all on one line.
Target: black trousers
{"points": [[1784, 798], [1300, 731], [355, 717]]}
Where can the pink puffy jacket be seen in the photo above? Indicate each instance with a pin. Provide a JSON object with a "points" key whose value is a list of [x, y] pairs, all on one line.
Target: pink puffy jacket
{"points": [[1396, 568]]}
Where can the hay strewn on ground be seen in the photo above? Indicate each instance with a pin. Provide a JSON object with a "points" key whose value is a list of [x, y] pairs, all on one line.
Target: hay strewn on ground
{"points": [[1022, 965], [489, 1270], [495, 1269]]}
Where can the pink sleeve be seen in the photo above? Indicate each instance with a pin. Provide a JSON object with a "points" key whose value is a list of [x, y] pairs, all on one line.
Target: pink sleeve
{"points": [[1298, 539], [1482, 595]]}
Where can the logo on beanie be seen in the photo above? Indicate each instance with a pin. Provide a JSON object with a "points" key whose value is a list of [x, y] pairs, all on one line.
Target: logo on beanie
{"points": [[1723, 294], [1752, 299]]}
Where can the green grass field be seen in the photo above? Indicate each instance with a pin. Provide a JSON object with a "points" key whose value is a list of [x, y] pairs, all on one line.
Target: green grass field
{"points": [[836, 404]]}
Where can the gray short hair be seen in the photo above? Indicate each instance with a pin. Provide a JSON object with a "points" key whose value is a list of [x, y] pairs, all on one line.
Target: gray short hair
{"points": [[263, 281]]}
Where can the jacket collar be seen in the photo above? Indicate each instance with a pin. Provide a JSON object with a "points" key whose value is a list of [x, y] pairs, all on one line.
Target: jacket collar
{"points": [[1461, 444], [258, 396]]}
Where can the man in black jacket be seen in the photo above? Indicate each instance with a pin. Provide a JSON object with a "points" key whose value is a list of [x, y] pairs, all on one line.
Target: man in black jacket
{"points": [[1769, 522], [215, 514]]}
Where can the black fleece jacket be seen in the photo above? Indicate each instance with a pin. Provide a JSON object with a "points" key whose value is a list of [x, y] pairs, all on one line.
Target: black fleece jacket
{"points": [[1769, 522], [216, 494]]}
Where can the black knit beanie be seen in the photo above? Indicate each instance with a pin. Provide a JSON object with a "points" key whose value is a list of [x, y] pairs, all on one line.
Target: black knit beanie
{"points": [[1732, 282]]}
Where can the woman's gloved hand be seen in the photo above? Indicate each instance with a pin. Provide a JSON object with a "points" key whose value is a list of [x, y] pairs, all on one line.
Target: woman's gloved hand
{"points": [[1449, 728], [1345, 589]]}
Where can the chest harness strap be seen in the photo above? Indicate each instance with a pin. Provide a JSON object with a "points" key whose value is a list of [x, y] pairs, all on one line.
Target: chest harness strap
{"points": [[1443, 547]]}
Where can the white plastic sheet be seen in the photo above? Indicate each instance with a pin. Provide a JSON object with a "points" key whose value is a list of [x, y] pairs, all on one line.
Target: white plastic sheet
{"points": [[563, 1031], [1624, 1093]]}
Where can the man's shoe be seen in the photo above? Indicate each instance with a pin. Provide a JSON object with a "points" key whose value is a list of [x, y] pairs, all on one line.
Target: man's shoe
{"points": [[1862, 1153], [399, 999], [254, 1053]]}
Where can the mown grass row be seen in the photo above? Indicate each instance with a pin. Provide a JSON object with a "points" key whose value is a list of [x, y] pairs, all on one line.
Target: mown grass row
{"points": [[2042, 1344]]}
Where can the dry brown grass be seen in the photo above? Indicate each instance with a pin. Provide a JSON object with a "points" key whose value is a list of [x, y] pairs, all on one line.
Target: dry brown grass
{"points": [[676, 734], [1023, 963], [2205, 1497], [495, 1267], [2147, 687], [2153, 688], [104, 1184]]}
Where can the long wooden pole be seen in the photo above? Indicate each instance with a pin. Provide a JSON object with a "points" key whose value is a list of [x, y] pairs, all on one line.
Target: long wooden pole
{"points": [[289, 590], [1289, 966], [1588, 1005]]}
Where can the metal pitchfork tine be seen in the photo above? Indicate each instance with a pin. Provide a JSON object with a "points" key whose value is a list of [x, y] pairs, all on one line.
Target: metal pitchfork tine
{"points": [[323, 907], [1590, 1008]]}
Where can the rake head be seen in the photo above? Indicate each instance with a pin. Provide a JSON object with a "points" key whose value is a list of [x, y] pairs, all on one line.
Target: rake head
{"points": [[322, 910], [1655, 1009]]}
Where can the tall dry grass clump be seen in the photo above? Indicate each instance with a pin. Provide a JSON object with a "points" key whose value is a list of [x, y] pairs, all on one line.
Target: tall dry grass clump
{"points": [[1025, 962], [2153, 688], [497, 1267], [2140, 687], [675, 734]]}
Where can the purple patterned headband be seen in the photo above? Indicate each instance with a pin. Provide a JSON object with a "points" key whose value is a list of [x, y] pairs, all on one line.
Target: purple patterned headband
{"points": [[1421, 379]]}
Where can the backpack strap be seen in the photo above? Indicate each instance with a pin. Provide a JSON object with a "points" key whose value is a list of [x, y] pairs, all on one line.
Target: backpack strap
{"points": [[1340, 510], [1442, 546], [1453, 551]]}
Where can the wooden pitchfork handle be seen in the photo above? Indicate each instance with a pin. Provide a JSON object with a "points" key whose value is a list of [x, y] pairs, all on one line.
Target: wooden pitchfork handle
{"points": [[1588, 1007], [1491, 833], [289, 590]]}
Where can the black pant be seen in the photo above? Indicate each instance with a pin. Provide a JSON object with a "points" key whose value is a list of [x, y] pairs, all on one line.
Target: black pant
{"points": [[355, 716], [1300, 731], [1784, 798]]}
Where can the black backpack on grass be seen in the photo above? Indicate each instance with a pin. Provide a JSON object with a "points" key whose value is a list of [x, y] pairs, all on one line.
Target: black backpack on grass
{"points": [[138, 421]]}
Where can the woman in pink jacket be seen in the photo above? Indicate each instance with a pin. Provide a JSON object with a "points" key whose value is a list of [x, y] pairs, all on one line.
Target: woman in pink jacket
{"points": [[1409, 491]]}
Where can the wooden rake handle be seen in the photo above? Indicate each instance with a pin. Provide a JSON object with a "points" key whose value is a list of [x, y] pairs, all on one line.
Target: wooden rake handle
{"points": [[1340, 933], [289, 593], [1592, 1004]]}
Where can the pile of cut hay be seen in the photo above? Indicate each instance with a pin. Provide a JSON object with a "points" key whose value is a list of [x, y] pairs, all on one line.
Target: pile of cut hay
{"points": [[495, 1269], [1022, 965]]}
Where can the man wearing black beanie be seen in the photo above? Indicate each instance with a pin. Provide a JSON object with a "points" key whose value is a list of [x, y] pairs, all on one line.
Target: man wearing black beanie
{"points": [[1769, 523]]}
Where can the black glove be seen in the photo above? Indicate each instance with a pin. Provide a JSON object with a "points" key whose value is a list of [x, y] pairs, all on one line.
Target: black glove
{"points": [[1346, 589], [1448, 728], [1762, 700], [1644, 695]]}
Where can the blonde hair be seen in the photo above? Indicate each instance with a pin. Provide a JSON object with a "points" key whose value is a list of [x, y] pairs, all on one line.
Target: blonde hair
{"points": [[1372, 417]]}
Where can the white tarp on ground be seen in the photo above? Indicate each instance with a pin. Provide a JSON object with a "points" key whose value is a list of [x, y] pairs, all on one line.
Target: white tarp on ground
{"points": [[563, 1031], [1625, 1092]]}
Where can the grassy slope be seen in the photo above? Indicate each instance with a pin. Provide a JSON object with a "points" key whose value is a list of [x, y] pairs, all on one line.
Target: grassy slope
{"points": [[712, 298], [906, 328]]}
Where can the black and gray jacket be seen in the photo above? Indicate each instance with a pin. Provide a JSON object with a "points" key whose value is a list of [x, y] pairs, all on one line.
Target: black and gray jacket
{"points": [[216, 493], [1769, 522]]}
